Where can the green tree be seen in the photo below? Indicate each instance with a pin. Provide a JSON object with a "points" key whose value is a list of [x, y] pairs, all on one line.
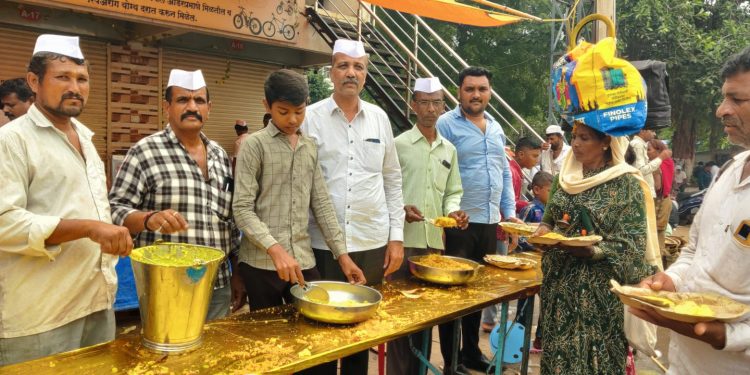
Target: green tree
{"points": [[320, 86], [694, 38]]}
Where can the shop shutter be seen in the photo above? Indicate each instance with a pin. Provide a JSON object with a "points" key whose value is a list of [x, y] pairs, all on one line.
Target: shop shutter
{"points": [[15, 60], [235, 86]]}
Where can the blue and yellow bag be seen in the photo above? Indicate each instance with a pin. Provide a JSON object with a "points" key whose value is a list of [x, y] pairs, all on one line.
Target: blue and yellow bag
{"points": [[596, 88]]}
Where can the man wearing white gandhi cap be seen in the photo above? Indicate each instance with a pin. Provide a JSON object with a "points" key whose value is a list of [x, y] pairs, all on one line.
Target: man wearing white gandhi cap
{"points": [[427, 159], [357, 153], [58, 248], [176, 185]]}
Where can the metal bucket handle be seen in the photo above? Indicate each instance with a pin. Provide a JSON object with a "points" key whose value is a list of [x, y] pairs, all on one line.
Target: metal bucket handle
{"points": [[573, 36]]}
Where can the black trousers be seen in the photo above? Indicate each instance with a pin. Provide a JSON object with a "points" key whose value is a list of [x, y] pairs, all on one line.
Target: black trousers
{"points": [[473, 243], [265, 289], [371, 262]]}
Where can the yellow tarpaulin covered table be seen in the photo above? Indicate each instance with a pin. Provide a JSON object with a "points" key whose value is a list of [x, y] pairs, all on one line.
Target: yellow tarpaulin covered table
{"points": [[279, 340]]}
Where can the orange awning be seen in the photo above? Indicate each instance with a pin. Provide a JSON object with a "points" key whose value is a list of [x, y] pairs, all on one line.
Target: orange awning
{"points": [[449, 10]]}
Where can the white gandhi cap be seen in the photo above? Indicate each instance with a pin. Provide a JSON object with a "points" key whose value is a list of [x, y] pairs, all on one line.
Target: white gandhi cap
{"points": [[554, 129], [62, 45], [427, 85], [187, 80], [351, 48]]}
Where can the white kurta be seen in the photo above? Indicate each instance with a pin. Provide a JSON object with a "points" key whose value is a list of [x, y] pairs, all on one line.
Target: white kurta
{"points": [[43, 180], [361, 169], [551, 166], [713, 261]]}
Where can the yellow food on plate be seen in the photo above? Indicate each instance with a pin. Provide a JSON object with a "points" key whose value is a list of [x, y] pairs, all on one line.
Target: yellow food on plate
{"points": [[438, 261], [692, 308], [445, 222], [656, 300]]}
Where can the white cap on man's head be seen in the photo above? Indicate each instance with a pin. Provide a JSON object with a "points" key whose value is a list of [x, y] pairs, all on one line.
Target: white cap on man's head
{"points": [[554, 129], [60, 44], [187, 80], [351, 48], [427, 85]]}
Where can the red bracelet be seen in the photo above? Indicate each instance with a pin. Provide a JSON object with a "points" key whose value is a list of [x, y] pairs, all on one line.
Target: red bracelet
{"points": [[145, 219]]}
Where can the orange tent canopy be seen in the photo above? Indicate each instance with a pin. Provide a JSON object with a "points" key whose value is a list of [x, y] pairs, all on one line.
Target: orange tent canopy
{"points": [[449, 10]]}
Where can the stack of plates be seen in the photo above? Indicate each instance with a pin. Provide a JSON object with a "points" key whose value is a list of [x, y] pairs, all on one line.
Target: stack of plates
{"points": [[553, 238]]}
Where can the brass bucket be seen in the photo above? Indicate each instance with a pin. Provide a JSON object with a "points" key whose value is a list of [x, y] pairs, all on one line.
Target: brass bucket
{"points": [[174, 282]]}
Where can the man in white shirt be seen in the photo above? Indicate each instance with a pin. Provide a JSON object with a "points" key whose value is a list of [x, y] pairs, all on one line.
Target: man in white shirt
{"points": [[680, 177], [716, 259], [357, 153], [554, 150], [58, 249], [639, 143]]}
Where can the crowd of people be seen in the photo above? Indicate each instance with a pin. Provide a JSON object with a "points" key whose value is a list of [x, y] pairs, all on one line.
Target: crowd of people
{"points": [[325, 191]]}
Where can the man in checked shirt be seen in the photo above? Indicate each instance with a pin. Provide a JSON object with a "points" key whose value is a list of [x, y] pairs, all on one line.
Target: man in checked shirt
{"points": [[176, 186]]}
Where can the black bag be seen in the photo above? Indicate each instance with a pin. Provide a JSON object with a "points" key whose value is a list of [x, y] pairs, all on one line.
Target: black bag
{"points": [[657, 94]]}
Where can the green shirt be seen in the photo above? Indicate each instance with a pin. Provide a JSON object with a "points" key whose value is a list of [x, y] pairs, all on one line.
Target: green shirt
{"points": [[276, 187], [431, 182]]}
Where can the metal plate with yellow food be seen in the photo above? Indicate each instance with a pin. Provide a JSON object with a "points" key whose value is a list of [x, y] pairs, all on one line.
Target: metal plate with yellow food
{"points": [[682, 307], [444, 222], [444, 270], [509, 262], [347, 303], [519, 229]]}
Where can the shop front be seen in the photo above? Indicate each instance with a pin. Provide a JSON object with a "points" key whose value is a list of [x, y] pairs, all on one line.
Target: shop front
{"points": [[132, 45]]}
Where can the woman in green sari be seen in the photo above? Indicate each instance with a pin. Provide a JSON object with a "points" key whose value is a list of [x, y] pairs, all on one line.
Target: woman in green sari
{"points": [[595, 193]]}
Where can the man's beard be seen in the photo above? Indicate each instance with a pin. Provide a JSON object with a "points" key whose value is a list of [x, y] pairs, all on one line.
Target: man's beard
{"points": [[471, 112], [64, 111]]}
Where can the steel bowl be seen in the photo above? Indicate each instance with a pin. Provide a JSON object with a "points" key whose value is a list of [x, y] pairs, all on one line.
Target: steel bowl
{"points": [[443, 276], [367, 300]]}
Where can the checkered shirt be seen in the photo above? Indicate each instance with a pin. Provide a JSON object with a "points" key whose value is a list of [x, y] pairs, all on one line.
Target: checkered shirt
{"points": [[159, 174]]}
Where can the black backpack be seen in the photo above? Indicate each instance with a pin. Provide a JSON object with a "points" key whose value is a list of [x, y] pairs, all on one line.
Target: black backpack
{"points": [[657, 93]]}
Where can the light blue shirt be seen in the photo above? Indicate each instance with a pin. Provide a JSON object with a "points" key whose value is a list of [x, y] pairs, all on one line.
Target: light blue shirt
{"points": [[485, 171]]}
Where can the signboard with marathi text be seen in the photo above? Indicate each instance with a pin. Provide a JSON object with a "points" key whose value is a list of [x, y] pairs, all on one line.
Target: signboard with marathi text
{"points": [[265, 19]]}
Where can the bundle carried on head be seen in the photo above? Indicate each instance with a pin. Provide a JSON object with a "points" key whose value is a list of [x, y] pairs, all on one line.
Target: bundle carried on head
{"points": [[596, 88]]}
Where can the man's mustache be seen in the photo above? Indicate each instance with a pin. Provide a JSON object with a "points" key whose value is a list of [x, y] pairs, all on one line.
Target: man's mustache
{"points": [[351, 80], [191, 113], [72, 95]]}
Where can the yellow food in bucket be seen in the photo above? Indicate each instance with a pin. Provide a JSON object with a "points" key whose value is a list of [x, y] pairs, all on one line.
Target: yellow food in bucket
{"points": [[692, 308], [182, 256]]}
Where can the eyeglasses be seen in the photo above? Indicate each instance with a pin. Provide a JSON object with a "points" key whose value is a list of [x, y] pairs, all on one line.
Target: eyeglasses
{"points": [[439, 103]]}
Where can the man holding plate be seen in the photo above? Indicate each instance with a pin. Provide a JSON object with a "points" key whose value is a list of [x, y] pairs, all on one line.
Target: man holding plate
{"points": [[717, 256]]}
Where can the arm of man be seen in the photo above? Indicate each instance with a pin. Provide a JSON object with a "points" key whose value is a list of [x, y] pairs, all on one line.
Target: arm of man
{"points": [[641, 160], [25, 233], [395, 201], [248, 172], [508, 196], [453, 193], [126, 197]]}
